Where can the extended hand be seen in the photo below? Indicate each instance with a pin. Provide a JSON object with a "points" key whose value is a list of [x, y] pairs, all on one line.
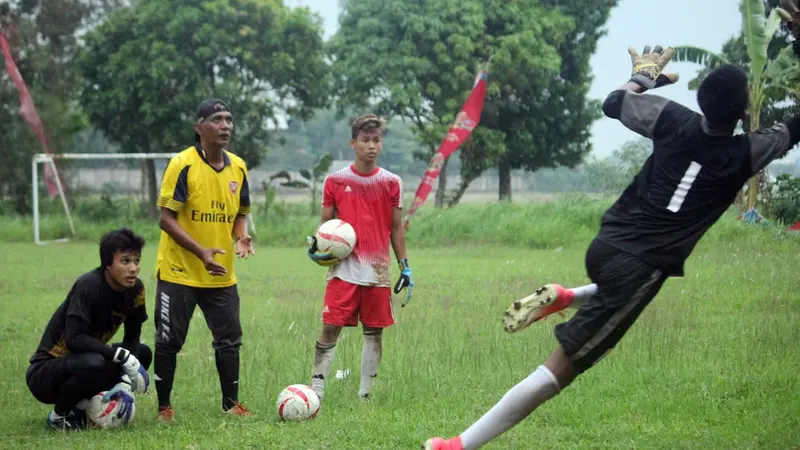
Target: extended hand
{"points": [[405, 281], [648, 66], [244, 246], [213, 267]]}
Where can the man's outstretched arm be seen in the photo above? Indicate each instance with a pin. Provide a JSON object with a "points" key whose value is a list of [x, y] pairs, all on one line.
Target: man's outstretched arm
{"points": [[640, 113], [769, 144]]}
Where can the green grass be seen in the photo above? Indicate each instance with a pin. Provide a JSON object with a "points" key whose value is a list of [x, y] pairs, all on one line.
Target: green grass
{"points": [[712, 363], [569, 221]]}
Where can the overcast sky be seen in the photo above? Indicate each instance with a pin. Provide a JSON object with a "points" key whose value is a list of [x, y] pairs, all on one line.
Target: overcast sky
{"points": [[703, 23]]}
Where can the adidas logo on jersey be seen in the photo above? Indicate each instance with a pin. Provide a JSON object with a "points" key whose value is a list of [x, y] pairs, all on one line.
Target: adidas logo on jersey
{"points": [[347, 189]]}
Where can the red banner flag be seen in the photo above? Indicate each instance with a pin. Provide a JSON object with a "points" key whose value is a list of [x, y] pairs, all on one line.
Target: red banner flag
{"points": [[466, 121], [28, 112]]}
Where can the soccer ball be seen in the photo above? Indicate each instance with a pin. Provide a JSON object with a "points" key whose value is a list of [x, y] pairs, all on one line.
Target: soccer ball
{"points": [[297, 402], [336, 237], [104, 414]]}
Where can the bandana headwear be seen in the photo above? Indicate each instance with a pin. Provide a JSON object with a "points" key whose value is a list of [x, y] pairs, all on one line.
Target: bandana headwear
{"points": [[208, 108]]}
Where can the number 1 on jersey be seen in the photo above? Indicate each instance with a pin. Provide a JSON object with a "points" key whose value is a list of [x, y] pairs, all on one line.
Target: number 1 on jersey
{"points": [[685, 184]]}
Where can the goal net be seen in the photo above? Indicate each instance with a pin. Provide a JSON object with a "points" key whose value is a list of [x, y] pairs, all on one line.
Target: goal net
{"points": [[98, 188]]}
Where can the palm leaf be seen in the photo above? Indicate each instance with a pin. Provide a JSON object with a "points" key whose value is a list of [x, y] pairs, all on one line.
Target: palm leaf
{"points": [[754, 28], [322, 166], [296, 184], [773, 23], [793, 91], [282, 174], [697, 55], [783, 69], [700, 56]]}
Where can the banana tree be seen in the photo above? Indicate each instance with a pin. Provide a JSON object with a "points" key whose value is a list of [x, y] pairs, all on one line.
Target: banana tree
{"points": [[312, 178], [770, 81]]}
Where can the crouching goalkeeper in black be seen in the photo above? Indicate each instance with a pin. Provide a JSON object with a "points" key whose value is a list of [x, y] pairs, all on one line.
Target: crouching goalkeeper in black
{"points": [[73, 361]]}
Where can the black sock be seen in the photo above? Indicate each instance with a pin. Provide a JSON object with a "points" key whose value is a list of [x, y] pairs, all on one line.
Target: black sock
{"points": [[228, 369], [164, 374]]}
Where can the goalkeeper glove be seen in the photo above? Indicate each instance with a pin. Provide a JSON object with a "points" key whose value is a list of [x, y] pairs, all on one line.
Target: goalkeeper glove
{"points": [[323, 259], [405, 280], [647, 67], [126, 410], [121, 392], [114, 392], [131, 367]]}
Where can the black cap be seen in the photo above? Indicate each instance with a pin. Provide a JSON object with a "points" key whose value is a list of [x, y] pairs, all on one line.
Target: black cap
{"points": [[208, 108]]}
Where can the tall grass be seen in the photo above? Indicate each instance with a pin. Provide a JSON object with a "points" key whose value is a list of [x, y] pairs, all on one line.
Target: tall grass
{"points": [[566, 222]]}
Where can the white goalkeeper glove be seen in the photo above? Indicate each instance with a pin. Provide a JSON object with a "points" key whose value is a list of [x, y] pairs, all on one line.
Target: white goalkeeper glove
{"points": [[131, 367]]}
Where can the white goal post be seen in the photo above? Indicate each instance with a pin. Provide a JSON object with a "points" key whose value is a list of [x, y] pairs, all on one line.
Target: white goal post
{"points": [[44, 158]]}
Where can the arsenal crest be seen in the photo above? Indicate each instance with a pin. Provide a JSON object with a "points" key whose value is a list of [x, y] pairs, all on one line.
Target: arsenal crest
{"points": [[233, 185]]}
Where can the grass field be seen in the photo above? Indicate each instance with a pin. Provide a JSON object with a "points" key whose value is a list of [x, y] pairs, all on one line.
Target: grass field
{"points": [[712, 363]]}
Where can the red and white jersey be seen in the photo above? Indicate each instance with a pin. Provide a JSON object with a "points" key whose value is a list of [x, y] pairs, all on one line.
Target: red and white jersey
{"points": [[367, 202]]}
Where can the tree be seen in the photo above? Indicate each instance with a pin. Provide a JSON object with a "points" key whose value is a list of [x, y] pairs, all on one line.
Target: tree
{"points": [[771, 68], [417, 60], [614, 173], [146, 68], [477, 155], [409, 59], [304, 141], [313, 178], [270, 192], [548, 124], [43, 36]]}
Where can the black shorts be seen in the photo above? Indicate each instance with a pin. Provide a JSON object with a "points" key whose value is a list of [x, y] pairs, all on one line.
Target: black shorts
{"points": [[626, 285], [46, 377], [175, 304]]}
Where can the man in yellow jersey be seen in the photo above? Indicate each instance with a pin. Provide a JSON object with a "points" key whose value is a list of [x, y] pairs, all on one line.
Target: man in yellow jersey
{"points": [[204, 202]]}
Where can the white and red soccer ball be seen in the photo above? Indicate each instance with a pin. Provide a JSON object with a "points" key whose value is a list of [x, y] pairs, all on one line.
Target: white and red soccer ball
{"points": [[336, 237], [297, 402], [105, 414]]}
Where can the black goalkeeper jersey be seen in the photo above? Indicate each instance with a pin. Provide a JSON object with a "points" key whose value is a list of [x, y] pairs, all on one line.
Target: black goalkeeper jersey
{"points": [[91, 315], [688, 182]]}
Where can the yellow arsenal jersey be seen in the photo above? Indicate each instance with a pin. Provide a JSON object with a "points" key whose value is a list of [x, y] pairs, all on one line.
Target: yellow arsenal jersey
{"points": [[207, 202]]}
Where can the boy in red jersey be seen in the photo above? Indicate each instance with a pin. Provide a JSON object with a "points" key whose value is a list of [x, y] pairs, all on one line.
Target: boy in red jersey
{"points": [[370, 199]]}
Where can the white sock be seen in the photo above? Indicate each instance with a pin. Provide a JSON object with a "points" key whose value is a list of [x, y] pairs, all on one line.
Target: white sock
{"points": [[370, 360], [584, 292], [55, 416], [516, 405], [323, 359]]}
